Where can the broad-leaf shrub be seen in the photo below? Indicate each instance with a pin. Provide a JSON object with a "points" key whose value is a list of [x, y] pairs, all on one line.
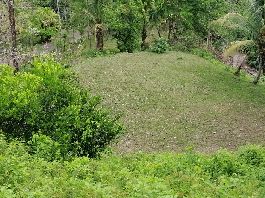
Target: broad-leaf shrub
{"points": [[251, 49], [45, 103], [160, 46], [38, 25], [124, 19]]}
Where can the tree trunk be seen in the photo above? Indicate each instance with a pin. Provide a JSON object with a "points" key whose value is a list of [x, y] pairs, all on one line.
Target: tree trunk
{"points": [[170, 28], [159, 32], [58, 8], [99, 37], [209, 41], [261, 68], [144, 36], [12, 21], [89, 38]]}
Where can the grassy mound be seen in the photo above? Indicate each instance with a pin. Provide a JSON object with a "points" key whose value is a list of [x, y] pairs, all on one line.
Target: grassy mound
{"points": [[176, 100], [224, 174]]}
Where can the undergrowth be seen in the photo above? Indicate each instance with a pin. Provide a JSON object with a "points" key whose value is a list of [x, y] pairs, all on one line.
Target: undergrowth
{"points": [[223, 174]]}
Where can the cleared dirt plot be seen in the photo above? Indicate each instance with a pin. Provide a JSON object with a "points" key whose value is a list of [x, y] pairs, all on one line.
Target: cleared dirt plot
{"points": [[173, 101]]}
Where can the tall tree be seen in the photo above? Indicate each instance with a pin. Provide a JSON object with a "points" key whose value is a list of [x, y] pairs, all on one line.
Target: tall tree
{"points": [[89, 12], [258, 17], [12, 21], [148, 8]]}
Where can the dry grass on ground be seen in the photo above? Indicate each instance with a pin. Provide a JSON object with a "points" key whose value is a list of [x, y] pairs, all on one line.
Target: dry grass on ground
{"points": [[175, 100]]}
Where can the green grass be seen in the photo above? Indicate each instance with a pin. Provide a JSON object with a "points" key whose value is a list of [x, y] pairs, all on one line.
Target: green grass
{"points": [[175, 100], [224, 175]]}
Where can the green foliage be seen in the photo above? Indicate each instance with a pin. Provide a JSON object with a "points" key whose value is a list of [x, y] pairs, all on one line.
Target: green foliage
{"points": [[43, 3], [247, 47], [252, 155], [46, 99], [43, 146], [237, 47], [232, 26], [251, 49], [223, 163], [86, 12], [223, 174], [125, 20], [38, 25], [160, 46], [203, 53], [228, 28]]}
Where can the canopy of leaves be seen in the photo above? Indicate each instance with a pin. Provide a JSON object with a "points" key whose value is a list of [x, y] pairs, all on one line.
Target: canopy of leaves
{"points": [[125, 19], [232, 26], [38, 25]]}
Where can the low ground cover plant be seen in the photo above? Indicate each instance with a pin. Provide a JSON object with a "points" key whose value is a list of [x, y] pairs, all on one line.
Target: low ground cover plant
{"points": [[223, 174]]}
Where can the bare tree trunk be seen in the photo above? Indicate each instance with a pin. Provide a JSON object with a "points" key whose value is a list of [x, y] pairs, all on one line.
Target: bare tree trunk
{"points": [[58, 8], [159, 32], [144, 36], [261, 68], [170, 28], [209, 41], [12, 21], [89, 38], [99, 37]]}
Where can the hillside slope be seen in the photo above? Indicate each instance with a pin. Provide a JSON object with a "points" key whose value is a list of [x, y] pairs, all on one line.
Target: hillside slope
{"points": [[175, 100]]}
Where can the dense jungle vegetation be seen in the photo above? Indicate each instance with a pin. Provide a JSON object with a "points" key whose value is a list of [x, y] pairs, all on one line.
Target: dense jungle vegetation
{"points": [[132, 98]]}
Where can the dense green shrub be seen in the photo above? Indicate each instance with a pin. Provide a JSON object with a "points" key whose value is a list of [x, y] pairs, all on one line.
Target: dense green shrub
{"points": [[38, 25], [160, 46], [252, 155], [222, 163], [124, 19], [139, 175], [251, 49], [228, 28], [45, 99]]}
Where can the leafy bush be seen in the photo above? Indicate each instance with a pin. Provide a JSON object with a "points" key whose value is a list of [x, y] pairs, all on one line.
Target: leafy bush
{"points": [[160, 46], [252, 155], [44, 147], [137, 175], [125, 21], [228, 28], [251, 49], [45, 99], [39, 25], [222, 163]]}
